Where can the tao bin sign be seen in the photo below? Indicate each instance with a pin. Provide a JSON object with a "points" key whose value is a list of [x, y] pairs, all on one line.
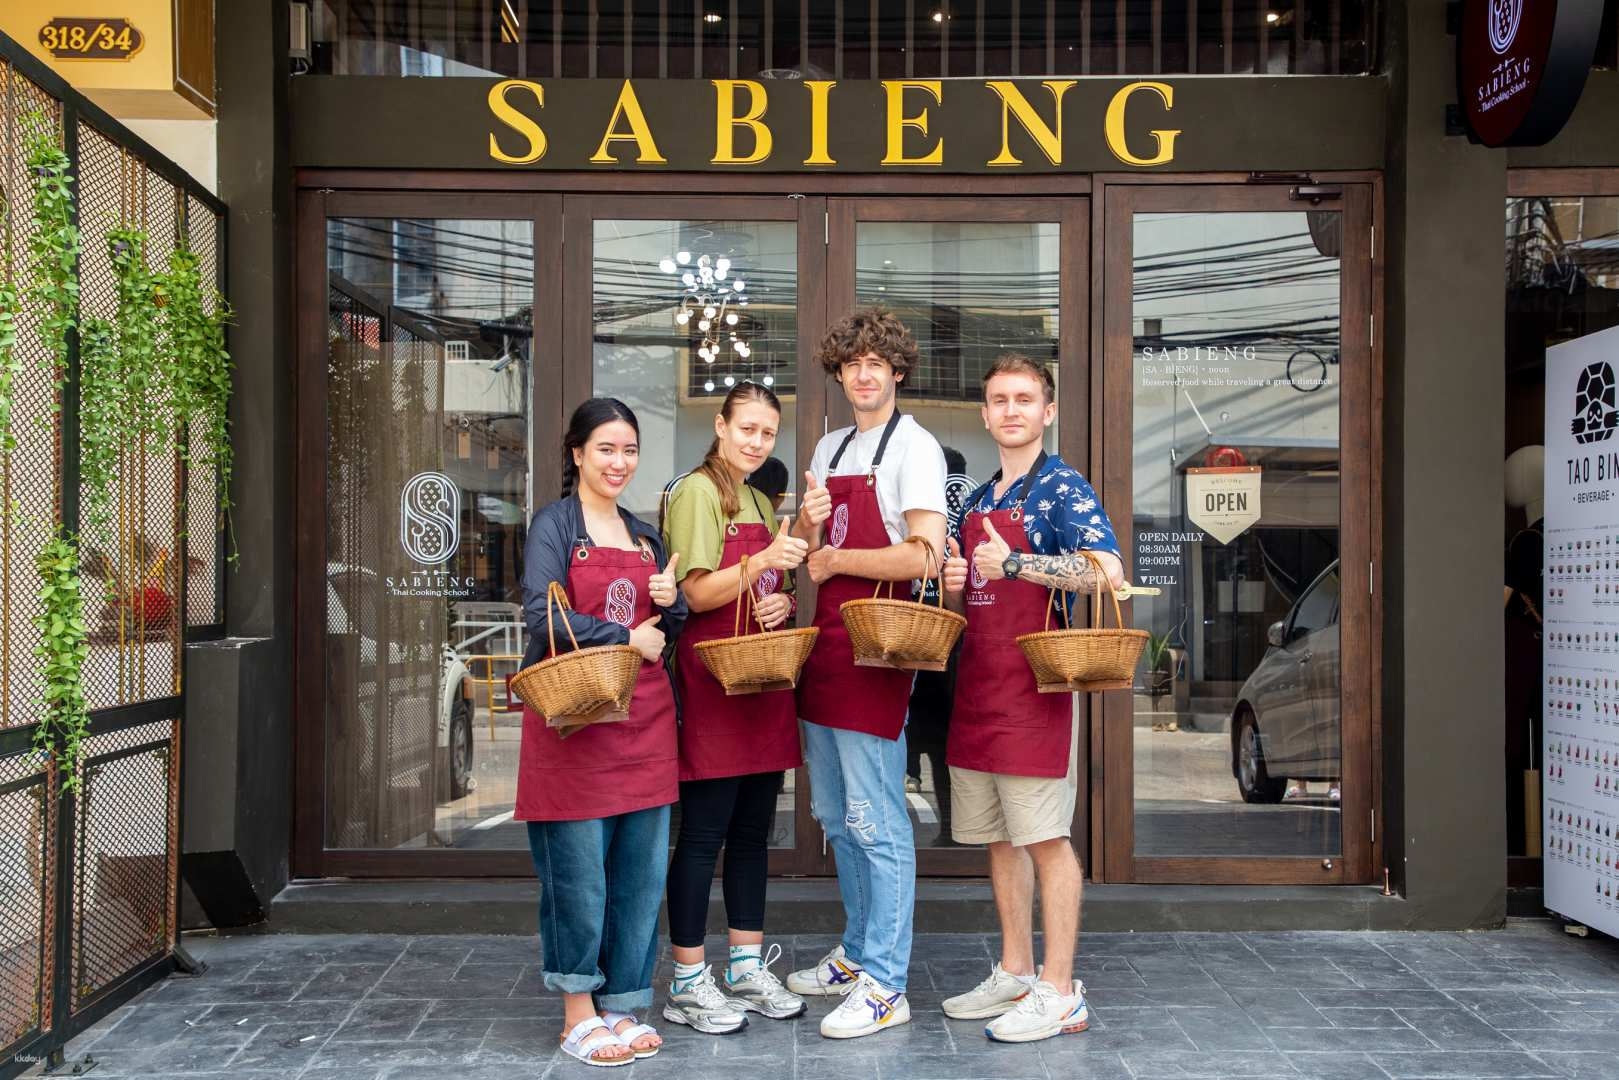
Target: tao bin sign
{"points": [[1522, 66]]}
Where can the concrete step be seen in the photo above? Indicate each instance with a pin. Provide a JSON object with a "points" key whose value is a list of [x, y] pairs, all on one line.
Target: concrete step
{"points": [[811, 905]]}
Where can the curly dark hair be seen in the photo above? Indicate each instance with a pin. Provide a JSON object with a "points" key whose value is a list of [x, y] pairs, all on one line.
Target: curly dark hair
{"points": [[869, 330]]}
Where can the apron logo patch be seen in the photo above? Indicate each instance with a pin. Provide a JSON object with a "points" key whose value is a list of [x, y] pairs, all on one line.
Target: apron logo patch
{"points": [[840, 525], [621, 601], [767, 583], [978, 579]]}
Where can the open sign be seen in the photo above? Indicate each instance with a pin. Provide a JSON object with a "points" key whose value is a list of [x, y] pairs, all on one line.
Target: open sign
{"points": [[1223, 502]]}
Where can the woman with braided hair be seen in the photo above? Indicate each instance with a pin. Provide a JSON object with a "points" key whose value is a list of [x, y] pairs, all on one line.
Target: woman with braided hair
{"points": [[596, 798]]}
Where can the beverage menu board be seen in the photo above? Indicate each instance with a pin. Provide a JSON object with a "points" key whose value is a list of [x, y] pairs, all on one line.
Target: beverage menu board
{"points": [[1580, 605]]}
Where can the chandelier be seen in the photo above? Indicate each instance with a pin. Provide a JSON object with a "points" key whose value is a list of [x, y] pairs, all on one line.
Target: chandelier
{"points": [[712, 298]]}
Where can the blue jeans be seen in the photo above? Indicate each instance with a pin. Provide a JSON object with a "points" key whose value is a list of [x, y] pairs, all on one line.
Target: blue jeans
{"points": [[857, 793], [601, 884]]}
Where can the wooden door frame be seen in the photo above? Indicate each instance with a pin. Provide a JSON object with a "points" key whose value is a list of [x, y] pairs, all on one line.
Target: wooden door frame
{"points": [[1072, 214], [310, 856], [578, 373], [1360, 520]]}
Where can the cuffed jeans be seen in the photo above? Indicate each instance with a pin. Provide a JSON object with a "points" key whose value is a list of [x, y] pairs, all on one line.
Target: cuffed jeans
{"points": [[601, 883], [857, 793]]}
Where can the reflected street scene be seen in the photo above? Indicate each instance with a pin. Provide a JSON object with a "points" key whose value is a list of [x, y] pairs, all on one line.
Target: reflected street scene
{"points": [[1237, 723], [428, 497]]}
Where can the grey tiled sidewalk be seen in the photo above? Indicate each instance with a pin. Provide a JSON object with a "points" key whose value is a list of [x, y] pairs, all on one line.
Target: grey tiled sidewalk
{"points": [[1527, 1001]]}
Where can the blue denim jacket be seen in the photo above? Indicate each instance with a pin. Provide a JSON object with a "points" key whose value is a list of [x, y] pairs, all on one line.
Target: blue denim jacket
{"points": [[552, 535]]}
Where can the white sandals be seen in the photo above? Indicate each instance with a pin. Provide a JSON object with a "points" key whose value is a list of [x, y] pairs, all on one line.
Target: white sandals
{"points": [[629, 1035], [576, 1047]]}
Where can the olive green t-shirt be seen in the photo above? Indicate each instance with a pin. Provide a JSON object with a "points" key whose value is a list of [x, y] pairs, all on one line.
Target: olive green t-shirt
{"points": [[694, 524]]}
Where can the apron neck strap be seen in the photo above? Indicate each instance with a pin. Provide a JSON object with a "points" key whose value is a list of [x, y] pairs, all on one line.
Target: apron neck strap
{"points": [[1028, 479], [882, 444]]}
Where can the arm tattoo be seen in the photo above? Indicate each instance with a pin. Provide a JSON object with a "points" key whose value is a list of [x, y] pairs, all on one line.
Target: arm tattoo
{"points": [[1072, 572]]}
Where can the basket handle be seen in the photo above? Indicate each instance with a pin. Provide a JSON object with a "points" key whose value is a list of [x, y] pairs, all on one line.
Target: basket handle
{"points": [[557, 595], [753, 606], [931, 564], [1096, 609]]}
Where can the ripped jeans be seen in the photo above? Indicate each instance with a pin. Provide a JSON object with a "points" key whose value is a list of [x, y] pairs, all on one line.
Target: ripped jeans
{"points": [[857, 793]]}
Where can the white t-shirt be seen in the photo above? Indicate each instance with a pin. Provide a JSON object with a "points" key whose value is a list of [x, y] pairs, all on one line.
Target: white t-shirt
{"points": [[911, 476]]}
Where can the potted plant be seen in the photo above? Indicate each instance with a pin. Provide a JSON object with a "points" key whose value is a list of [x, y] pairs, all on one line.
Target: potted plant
{"points": [[1158, 656]]}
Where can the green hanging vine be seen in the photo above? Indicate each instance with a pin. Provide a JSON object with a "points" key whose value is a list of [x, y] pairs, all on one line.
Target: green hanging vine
{"points": [[101, 394], [53, 245], [61, 651], [10, 359], [123, 400], [198, 371]]}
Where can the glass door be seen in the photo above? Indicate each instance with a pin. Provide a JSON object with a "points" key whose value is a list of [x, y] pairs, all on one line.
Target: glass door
{"points": [[971, 279], [420, 356], [671, 302], [1236, 420]]}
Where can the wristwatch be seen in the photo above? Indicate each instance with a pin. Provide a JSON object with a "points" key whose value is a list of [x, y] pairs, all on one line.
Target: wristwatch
{"points": [[1012, 566]]}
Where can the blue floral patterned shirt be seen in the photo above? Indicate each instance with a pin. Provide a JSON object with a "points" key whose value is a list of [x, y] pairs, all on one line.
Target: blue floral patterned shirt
{"points": [[1060, 515]]}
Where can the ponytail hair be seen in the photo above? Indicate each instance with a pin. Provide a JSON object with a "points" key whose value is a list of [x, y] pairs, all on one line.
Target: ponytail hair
{"points": [[713, 466], [590, 415]]}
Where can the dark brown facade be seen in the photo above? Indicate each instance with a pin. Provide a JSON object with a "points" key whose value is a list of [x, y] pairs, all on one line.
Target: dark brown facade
{"points": [[1392, 222]]}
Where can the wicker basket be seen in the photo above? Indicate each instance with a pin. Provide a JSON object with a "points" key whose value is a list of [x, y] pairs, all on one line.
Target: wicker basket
{"points": [[1085, 660], [585, 686], [905, 634], [747, 663]]}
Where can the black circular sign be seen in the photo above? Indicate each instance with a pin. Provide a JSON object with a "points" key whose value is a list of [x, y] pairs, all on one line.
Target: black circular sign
{"points": [[1522, 65]]}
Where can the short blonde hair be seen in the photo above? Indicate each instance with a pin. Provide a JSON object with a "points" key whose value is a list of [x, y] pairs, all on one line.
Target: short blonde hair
{"points": [[1015, 363]]}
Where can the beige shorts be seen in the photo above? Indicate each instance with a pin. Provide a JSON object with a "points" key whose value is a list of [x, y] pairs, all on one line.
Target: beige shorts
{"points": [[987, 808]]}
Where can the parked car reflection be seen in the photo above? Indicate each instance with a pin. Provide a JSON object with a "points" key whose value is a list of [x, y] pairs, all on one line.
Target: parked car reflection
{"points": [[1286, 721], [437, 685]]}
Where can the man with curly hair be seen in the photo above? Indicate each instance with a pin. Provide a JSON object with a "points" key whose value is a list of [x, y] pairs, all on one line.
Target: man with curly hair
{"points": [[870, 486]]}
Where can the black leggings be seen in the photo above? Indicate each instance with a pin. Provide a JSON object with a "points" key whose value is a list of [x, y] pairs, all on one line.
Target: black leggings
{"points": [[736, 812]]}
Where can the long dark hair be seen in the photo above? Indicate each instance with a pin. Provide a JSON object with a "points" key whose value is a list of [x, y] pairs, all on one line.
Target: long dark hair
{"points": [[590, 415]]}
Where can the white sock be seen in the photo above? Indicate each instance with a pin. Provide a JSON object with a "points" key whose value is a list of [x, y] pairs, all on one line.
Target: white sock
{"points": [[685, 975], [745, 959]]}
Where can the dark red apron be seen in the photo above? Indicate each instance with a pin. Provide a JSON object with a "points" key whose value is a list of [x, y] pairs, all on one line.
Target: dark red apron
{"points": [[1001, 723], [832, 691], [610, 768], [747, 733]]}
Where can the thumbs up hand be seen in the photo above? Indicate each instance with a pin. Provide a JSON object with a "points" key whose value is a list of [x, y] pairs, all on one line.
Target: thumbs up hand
{"points": [[816, 505], [955, 569], [661, 586], [648, 639], [988, 556], [785, 552]]}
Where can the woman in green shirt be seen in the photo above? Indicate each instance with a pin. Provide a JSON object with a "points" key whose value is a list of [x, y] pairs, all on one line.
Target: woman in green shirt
{"points": [[733, 750]]}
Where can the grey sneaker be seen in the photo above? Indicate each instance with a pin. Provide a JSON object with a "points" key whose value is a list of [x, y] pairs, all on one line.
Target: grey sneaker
{"points": [[702, 1006], [992, 997], [1042, 1013], [761, 992]]}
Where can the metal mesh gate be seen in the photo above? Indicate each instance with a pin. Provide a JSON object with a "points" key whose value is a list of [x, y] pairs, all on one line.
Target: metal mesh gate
{"points": [[89, 881]]}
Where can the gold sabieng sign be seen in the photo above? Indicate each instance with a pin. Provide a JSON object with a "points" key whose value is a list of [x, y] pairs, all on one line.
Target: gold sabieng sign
{"points": [[789, 125]]}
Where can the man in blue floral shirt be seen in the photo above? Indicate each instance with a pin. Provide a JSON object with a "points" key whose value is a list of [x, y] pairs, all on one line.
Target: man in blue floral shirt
{"points": [[1061, 515], [1036, 525]]}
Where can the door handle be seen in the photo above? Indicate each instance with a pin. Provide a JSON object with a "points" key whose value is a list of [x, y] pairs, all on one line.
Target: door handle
{"points": [[1306, 658]]}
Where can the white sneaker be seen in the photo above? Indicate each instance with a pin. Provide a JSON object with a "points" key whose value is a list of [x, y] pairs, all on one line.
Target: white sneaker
{"points": [[868, 1009], [1041, 1014], [992, 997], [761, 992], [834, 975], [702, 1006]]}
